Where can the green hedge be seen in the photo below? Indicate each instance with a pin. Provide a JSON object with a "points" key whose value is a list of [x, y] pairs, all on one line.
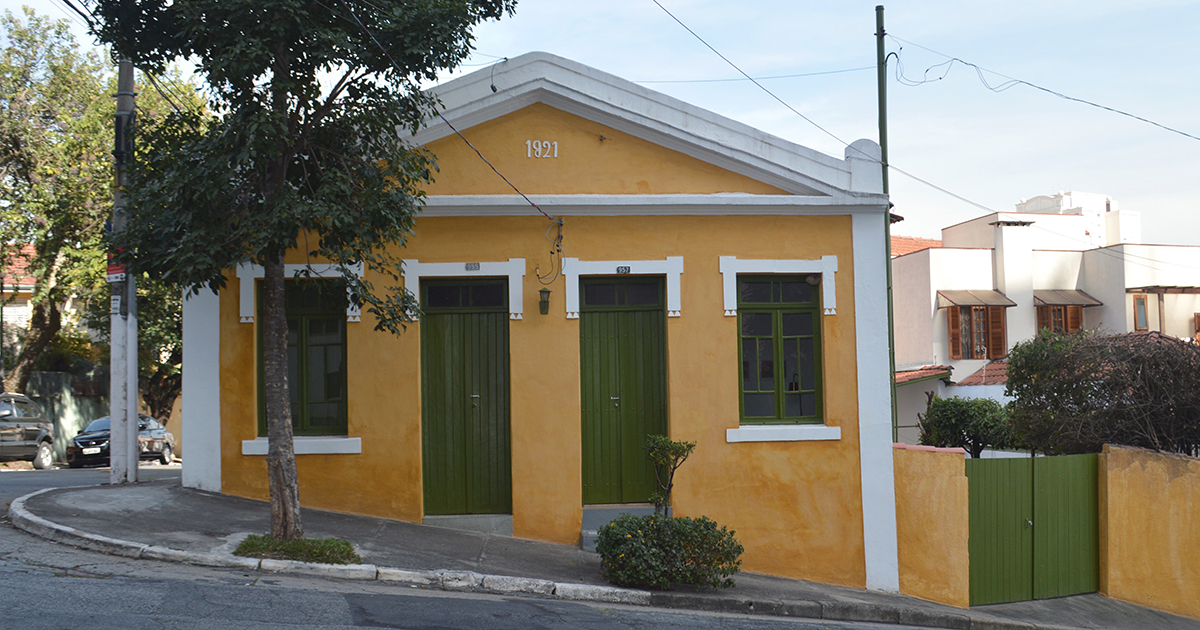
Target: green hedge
{"points": [[655, 552]]}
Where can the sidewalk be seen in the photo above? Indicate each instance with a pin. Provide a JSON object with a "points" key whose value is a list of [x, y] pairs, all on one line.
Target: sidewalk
{"points": [[163, 521]]}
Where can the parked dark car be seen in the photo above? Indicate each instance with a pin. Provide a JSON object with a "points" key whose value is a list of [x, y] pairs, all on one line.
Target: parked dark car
{"points": [[26, 432], [90, 447]]}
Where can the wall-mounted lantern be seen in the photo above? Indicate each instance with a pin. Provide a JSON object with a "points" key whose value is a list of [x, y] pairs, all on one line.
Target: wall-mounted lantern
{"points": [[544, 302]]}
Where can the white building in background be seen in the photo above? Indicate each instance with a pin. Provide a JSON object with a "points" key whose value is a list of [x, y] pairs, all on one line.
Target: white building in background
{"points": [[1065, 261]]}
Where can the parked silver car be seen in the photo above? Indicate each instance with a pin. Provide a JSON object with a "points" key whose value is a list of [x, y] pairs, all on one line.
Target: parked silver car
{"points": [[26, 432]]}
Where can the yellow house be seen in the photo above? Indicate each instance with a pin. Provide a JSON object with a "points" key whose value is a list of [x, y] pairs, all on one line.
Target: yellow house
{"points": [[667, 270]]}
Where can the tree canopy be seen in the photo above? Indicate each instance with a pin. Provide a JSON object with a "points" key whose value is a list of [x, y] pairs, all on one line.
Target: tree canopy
{"points": [[305, 150], [1075, 392], [55, 137], [970, 423]]}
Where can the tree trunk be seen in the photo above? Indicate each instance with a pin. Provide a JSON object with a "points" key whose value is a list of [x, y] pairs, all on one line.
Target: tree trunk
{"points": [[281, 457], [45, 321]]}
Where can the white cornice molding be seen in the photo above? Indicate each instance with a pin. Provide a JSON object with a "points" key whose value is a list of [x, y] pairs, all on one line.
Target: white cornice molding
{"points": [[733, 204]]}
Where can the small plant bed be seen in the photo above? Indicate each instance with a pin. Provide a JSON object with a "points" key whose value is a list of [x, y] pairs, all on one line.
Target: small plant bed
{"points": [[657, 551], [323, 550]]}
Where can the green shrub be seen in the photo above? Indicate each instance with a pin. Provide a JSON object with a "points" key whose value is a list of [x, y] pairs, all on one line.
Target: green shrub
{"points": [[655, 552], [970, 423]]}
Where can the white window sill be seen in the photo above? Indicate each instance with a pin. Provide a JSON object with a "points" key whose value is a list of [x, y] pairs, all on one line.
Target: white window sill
{"points": [[309, 445], [783, 433]]}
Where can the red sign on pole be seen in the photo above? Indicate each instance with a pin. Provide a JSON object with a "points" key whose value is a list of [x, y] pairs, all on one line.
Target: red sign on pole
{"points": [[116, 273]]}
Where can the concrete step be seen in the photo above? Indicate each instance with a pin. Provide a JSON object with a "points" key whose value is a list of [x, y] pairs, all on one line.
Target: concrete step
{"points": [[597, 516]]}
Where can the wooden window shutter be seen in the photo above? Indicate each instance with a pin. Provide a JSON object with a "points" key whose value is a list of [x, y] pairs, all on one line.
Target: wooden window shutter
{"points": [[955, 326], [1074, 318], [997, 342], [1043, 317]]}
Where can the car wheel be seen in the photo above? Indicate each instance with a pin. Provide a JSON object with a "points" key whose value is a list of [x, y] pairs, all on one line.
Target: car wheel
{"points": [[165, 458], [44, 457]]}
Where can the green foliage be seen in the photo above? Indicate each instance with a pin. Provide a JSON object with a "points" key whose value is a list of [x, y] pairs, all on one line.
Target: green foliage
{"points": [[1075, 392], [655, 552], [970, 423], [71, 350], [294, 158], [55, 138], [667, 456], [160, 341], [323, 550]]}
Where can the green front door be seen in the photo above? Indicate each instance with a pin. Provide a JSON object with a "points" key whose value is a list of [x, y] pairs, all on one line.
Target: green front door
{"points": [[622, 343], [465, 397]]}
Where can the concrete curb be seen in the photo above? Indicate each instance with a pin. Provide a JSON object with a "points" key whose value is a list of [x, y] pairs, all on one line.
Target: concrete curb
{"points": [[452, 580]]}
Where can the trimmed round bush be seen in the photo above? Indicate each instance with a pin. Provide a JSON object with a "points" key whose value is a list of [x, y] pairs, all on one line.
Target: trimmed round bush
{"points": [[655, 552]]}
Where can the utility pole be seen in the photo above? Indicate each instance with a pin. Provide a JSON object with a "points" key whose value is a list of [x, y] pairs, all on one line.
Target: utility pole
{"points": [[881, 69], [123, 383]]}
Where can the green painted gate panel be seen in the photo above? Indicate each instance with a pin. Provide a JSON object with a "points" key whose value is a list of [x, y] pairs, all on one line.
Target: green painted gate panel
{"points": [[623, 399], [1034, 528], [1001, 532], [465, 413], [1066, 513]]}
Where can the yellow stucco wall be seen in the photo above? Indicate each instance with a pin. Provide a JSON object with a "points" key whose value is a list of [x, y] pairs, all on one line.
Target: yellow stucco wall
{"points": [[1150, 529], [618, 164], [932, 524], [795, 505]]}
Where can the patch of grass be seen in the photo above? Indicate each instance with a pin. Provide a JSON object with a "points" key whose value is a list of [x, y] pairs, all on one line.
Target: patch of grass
{"points": [[324, 550]]}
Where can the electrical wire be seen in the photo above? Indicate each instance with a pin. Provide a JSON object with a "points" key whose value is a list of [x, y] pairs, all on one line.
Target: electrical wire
{"points": [[750, 78], [889, 166], [780, 76], [558, 241], [1010, 83]]}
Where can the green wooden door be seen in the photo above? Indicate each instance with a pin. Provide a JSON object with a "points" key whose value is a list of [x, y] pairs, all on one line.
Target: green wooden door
{"points": [[1066, 515], [1001, 536], [1034, 528], [465, 398], [622, 339]]}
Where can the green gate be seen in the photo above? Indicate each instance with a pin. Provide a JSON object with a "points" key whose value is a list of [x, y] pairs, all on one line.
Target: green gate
{"points": [[465, 397], [622, 347], [1034, 528]]}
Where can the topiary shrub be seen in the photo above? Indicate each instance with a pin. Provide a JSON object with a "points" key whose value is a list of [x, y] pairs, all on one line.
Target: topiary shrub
{"points": [[655, 552]]}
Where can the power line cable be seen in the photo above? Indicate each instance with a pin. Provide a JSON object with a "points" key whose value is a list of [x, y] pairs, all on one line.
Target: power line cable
{"points": [[781, 76], [1012, 82]]}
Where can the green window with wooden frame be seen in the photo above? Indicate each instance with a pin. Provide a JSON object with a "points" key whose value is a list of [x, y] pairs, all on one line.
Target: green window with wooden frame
{"points": [[779, 341], [316, 319]]}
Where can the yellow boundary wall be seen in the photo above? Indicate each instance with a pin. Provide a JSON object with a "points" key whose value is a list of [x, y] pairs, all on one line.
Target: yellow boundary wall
{"points": [[1150, 529], [932, 523]]}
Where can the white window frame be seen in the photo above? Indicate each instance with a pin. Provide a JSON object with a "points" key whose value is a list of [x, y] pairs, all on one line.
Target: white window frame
{"points": [[730, 267], [514, 270], [671, 267], [247, 273]]}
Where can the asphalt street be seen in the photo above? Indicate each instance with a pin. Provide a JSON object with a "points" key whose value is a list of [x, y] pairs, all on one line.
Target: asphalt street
{"points": [[52, 587]]}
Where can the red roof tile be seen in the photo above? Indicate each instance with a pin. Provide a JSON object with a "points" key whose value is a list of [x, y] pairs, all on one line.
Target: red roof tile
{"points": [[14, 272], [921, 373], [994, 373], [902, 245]]}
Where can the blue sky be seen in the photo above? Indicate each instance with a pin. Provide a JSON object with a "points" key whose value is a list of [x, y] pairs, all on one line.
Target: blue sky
{"points": [[992, 148]]}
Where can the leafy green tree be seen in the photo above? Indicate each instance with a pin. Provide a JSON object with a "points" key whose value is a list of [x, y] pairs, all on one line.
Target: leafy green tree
{"points": [[306, 151], [55, 138], [970, 423]]}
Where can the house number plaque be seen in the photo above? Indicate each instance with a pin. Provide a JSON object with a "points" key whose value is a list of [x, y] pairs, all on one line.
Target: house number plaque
{"points": [[623, 269], [541, 149]]}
